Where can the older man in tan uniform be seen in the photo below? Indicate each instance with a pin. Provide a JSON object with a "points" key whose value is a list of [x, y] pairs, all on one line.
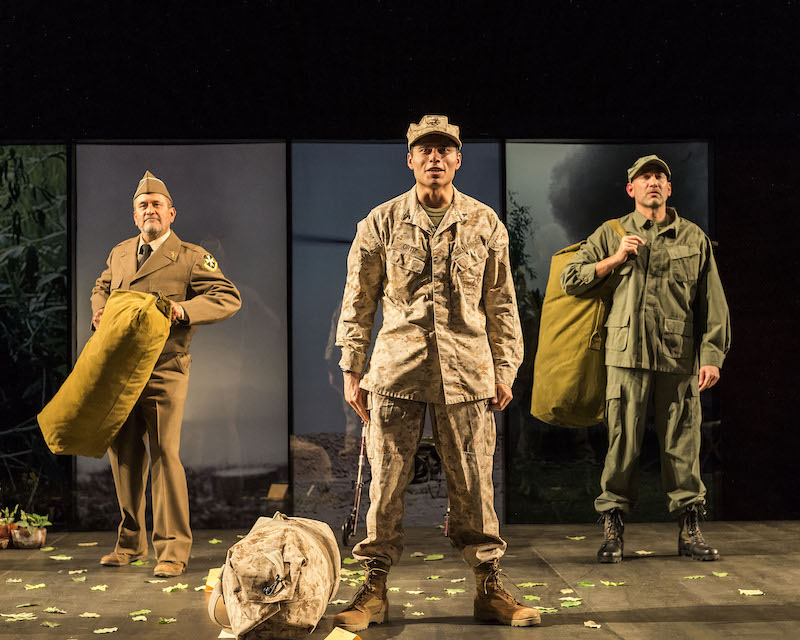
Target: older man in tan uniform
{"points": [[450, 343], [157, 260]]}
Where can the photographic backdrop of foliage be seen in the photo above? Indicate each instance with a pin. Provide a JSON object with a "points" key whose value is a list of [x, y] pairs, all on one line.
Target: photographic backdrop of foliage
{"points": [[34, 324]]}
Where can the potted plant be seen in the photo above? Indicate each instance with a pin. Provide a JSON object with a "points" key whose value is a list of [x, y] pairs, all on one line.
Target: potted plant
{"points": [[30, 532], [8, 519]]}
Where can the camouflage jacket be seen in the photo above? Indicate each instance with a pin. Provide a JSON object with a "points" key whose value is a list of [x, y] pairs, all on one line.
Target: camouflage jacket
{"points": [[450, 322], [669, 309]]}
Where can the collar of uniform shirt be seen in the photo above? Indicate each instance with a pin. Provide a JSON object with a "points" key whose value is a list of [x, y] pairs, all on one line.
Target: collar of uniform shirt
{"points": [[155, 244], [669, 226]]}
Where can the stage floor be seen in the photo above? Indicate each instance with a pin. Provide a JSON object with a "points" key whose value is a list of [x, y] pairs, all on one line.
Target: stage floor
{"points": [[658, 599]]}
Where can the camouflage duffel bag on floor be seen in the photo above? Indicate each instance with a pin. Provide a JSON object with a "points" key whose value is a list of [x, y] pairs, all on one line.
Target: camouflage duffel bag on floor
{"points": [[277, 581]]}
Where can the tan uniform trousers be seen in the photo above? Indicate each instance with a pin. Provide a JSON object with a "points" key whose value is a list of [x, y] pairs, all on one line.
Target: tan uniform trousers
{"points": [[465, 438], [674, 401], [157, 416]]}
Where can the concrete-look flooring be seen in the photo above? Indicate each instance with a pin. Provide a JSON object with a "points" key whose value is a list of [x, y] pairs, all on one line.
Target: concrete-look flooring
{"points": [[656, 601]]}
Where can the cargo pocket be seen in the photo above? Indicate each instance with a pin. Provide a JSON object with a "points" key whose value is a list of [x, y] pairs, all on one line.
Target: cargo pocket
{"points": [[490, 430], [468, 264], [677, 338], [613, 401], [684, 262], [617, 328], [690, 416], [404, 264]]}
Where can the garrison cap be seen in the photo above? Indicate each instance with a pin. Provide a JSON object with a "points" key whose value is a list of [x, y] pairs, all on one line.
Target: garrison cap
{"points": [[432, 124], [644, 161], [150, 184]]}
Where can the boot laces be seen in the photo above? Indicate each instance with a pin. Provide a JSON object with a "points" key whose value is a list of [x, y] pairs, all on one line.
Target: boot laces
{"points": [[368, 587], [493, 579], [611, 524], [692, 523]]}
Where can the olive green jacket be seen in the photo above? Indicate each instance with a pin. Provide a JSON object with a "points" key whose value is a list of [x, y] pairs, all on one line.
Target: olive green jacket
{"points": [[668, 309], [451, 327]]}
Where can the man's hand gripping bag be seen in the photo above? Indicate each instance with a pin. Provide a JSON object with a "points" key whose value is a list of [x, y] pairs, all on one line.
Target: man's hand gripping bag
{"points": [[277, 581], [96, 398]]}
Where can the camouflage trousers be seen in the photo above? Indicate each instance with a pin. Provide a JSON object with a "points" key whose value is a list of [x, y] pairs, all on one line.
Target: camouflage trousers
{"points": [[465, 438], [674, 402]]}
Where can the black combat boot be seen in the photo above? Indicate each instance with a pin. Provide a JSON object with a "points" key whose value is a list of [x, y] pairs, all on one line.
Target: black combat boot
{"points": [[690, 539], [613, 527]]}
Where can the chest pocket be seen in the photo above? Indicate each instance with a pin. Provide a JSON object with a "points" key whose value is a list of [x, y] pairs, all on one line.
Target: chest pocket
{"points": [[469, 263], [404, 266], [172, 290], [684, 262]]}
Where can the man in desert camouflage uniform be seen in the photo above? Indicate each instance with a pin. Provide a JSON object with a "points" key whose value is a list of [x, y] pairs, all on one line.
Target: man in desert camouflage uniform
{"points": [[450, 342]]}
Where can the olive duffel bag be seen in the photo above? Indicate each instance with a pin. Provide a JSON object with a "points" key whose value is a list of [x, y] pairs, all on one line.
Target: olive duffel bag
{"points": [[109, 376]]}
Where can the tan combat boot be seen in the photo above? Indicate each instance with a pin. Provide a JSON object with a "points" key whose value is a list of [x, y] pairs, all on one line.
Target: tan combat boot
{"points": [[494, 604], [370, 604]]}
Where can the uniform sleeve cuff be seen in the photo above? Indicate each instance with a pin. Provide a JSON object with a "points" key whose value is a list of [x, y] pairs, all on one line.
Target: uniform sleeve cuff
{"points": [[588, 273], [712, 358], [352, 361], [504, 376]]}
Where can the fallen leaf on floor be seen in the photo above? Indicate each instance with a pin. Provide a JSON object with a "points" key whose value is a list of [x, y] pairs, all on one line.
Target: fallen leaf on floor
{"points": [[348, 572], [568, 591], [613, 584], [692, 577], [751, 592], [61, 556], [433, 598], [167, 620], [155, 580], [458, 580], [394, 589], [99, 587], [18, 617], [46, 548], [591, 624], [27, 604], [417, 613], [353, 583], [415, 593], [434, 556], [140, 612], [571, 603], [720, 574], [570, 599], [532, 584], [79, 579], [14, 580], [215, 541], [202, 587], [576, 538], [642, 552], [89, 614], [87, 544], [106, 630], [440, 526], [433, 577], [529, 597], [408, 604], [338, 602], [585, 583], [54, 610], [28, 587], [350, 561], [72, 572], [175, 587], [546, 610], [239, 536], [52, 625], [139, 619], [452, 592], [139, 563], [417, 554]]}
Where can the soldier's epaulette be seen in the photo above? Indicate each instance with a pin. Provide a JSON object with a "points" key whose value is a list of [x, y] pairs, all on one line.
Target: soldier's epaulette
{"points": [[196, 248]]}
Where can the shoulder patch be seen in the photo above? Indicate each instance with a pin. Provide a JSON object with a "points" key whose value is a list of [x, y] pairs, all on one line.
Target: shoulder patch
{"points": [[209, 262]]}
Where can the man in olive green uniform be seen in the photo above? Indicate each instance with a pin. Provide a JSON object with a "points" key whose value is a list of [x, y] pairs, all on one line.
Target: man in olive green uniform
{"points": [[437, 260], [157, 260], [668, 334]]}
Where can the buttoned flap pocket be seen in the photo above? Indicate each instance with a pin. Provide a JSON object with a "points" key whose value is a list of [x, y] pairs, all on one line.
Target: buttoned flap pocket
{"points": [[684, 262], [617, 328], [677, 338], [613, 398], [170, 290], [467, 258], [406, 257]]}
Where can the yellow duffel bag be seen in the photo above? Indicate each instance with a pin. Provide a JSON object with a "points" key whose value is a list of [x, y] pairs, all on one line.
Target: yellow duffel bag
{"points": [[109, 376]]}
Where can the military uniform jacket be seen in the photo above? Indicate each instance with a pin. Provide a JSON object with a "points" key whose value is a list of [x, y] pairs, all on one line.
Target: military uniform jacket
{"points": [[183, 272], [669, 309], [451, 327]]}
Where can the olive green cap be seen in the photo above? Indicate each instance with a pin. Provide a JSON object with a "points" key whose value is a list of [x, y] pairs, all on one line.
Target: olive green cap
{"points": [[433, 124], [642, 162], [150, 184]]}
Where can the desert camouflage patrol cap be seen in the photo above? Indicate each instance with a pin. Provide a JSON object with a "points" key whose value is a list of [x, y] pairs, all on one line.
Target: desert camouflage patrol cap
{"points": [[150, 184], [432, 124], [644, 161]]}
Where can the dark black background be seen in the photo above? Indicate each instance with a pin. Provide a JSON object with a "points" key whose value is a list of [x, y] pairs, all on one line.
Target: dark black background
{"points": [[722, 71]]}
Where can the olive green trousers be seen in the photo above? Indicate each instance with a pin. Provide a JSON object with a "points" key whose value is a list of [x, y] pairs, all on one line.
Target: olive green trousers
{"points": [[674, 401]]}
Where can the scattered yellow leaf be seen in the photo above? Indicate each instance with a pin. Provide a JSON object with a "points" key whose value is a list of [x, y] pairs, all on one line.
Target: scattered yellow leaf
{"points": [[99, 587], [28, 587], [89, 614], [591, 624], [642, 552], [751, 592], [87, 544]]}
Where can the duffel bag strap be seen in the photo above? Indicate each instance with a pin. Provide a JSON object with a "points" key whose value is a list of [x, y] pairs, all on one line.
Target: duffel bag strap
{"points": [[216, 605], [616, 225]]}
